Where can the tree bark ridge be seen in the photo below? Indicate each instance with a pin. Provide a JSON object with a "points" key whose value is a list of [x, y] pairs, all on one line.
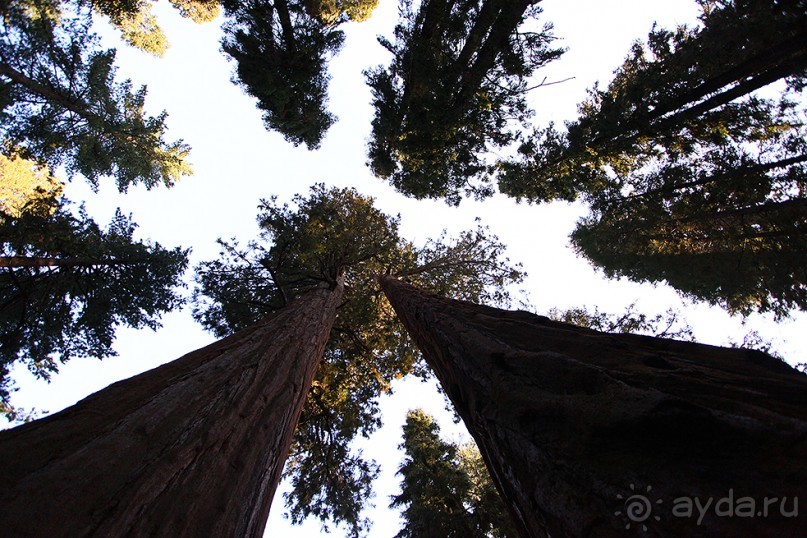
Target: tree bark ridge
{"points": [[569, 419], [195, 447]]}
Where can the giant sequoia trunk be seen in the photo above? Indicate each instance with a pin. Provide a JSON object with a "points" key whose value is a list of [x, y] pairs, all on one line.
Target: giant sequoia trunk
{"points": [[192, 448], [594, 434]]}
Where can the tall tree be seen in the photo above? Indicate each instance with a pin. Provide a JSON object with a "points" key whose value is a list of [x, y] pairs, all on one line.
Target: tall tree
{"points": [[728, 226], [454, 89], [446, 490], [66, 284], [281, 54], [303, 245], [193, 448], [693, 179], [574, 424], [60, 103], [682, 89]]}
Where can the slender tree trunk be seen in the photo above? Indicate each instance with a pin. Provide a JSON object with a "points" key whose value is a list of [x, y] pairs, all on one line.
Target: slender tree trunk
{"points": [[506, 23], [728, 95], [795, 209], [192, 448], [52, 95], [69, 103], [575, 425], [789, 52], [284, 17], [484, 20], [426, 36]]}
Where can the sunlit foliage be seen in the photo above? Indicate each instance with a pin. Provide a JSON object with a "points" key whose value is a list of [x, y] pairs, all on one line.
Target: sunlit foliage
{"points": [[25, 185], [139, 27], [333, 12], [60, 103]]}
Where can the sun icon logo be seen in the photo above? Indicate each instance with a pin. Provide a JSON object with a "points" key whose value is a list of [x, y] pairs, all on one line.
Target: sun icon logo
{"points": [[638, 507]]}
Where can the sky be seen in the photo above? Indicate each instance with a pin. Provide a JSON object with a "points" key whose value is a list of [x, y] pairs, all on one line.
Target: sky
{"points": [[237, 162]]}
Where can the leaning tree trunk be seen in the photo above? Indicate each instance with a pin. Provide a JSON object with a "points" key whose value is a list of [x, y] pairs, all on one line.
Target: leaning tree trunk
{"points": [[192, 448], [595, 434]]}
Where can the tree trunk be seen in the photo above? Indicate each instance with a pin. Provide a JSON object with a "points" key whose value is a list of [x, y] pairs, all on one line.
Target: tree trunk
{"points": [[506, 23], [284, 17], [576, 426], [192, 448], [756, 68], [52, 95]]}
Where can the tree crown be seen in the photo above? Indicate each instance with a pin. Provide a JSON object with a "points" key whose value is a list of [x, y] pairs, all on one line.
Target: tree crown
{"points": [[325, 233]]}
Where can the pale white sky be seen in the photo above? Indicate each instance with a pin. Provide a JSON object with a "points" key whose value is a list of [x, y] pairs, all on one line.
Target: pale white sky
{"points": [[237, 162]]}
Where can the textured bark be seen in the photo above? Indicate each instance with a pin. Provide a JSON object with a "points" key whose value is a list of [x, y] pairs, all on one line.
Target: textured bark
{"points": [[192, 448], [572, 422]]}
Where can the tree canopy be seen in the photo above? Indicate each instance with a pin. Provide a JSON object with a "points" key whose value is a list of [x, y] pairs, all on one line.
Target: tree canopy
{"points": [[137, 26], [140, 29], [281, 54], [324, 233], [446, 491], [453, 91], [695, 177], [66, 284], [682, 89], [60, 103], [729, 228]]}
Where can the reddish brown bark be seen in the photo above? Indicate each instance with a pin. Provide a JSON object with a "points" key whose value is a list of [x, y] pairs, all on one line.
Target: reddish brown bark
{"points": [[568, 419], [192, 448]]}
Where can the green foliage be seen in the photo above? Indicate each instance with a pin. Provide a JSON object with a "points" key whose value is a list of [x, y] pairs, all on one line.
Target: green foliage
{"points": [[753, 340], [681, 90], [446, 490], [66, 284], [666, 325], [727, 225], [454, 89], [14, 414], [332, 12], [24, 184], [198, 11], [333, 231], [281, 55], [140, 29], [60, 103], [693, 178]]}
